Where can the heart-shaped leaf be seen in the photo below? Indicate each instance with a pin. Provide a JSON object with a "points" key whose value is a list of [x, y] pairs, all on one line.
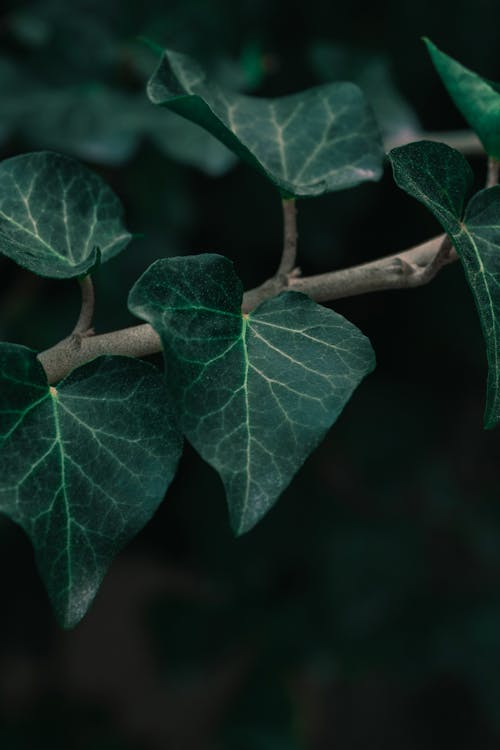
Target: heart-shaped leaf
{"points": [[320, 140], [477, 98], [84, 466], [56, 216], [255, 393], [439, 177]]}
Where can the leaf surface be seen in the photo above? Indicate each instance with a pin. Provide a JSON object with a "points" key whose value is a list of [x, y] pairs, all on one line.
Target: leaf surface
{"points": [[84, 466], [320, 140], [439, 177], [477, 98], [57, 218], [255, 393]]}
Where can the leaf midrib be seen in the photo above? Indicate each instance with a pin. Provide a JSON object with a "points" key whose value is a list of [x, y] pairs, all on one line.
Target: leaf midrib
{"points": [[63, 489], [35, 237], [246, 365], [482, 276]]}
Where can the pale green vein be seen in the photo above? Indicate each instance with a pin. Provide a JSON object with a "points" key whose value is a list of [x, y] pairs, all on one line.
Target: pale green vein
{"points": [[80, 213], [282, 136], [246, 363], [288, 356], [254, 410], [493, 338], [102, 462], [23, 416], [62, 488], [25, 229]]}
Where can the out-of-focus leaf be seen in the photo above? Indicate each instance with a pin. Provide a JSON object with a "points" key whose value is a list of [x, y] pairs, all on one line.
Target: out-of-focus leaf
{"points": [[395, 116]]}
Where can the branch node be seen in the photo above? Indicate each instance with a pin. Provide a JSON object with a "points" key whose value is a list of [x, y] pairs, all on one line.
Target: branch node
{"points": [[75, 340], [405, 267]]}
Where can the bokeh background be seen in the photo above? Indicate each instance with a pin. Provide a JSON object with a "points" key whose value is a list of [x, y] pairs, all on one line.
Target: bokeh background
{"points": [[364, 610]]}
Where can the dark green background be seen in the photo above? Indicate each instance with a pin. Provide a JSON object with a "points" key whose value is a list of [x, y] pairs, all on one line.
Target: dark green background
{"points": [[364, 611]]}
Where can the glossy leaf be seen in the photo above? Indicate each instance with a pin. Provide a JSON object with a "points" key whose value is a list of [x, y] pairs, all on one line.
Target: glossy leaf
{"points": [[320, 140], [57, 218], [84, 466], [437, 176], [255, 393], [477, 98], [440, 178]]}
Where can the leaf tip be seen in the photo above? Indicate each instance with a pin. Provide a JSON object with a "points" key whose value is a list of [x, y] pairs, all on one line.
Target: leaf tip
{"points": [[432, 49], [242, 527], [243, 522], [69, 614], [490, 420], [153, 46]]}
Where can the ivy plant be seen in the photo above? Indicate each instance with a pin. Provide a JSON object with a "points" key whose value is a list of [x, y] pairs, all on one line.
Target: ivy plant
{"points": [[90, 434]]}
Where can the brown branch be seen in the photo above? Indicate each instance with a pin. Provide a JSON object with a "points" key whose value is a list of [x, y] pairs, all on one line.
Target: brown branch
{"points": [[289, 239], [492, 172], [408, 269], [405, 270], [464, 141], [411, 268], [74, 351]]}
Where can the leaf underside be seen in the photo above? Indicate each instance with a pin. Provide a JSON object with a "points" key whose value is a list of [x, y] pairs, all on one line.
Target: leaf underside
{"points": [[57, 218], [439, 177], [477, 98], [320, 140], [84, 466], [255, 393]]}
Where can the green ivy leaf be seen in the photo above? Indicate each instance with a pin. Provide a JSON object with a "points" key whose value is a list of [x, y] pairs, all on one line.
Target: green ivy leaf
{"points": [[320, 140], [437, 176], [255, 393], [477, 98], [84, 466], [440, 178], [56, 216]]}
